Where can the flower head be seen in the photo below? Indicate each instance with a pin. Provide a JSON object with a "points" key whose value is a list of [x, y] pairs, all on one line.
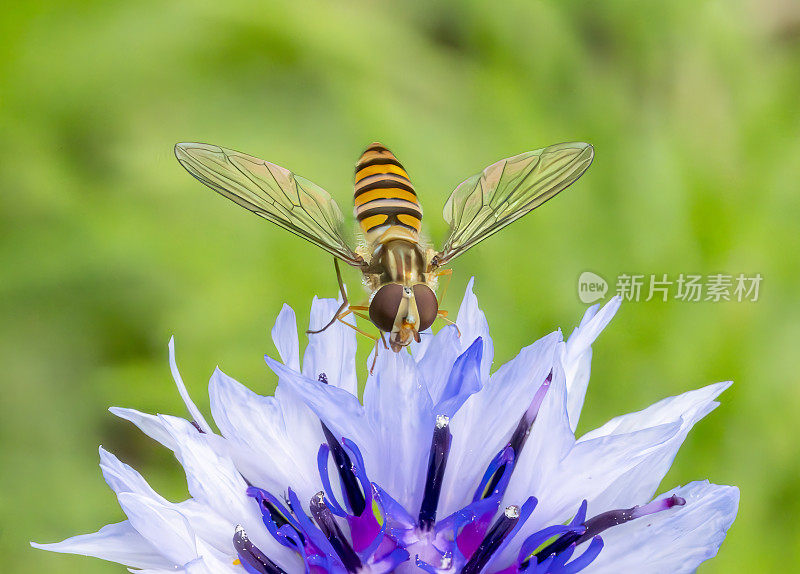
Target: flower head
{"points": [[444, 468]]}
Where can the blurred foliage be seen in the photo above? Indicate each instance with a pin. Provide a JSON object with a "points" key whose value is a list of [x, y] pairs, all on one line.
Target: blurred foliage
{"points": [[107, 247]]}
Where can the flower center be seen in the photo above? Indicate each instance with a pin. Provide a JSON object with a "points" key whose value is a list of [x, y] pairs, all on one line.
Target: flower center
{"points": [[382, 534]]}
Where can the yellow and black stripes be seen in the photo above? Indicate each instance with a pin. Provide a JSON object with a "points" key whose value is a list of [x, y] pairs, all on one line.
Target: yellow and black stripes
{"points": [[384, 196]]}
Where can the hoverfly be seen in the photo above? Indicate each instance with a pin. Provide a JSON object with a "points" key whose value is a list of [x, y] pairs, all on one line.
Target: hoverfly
{"points": [[398, 268]]}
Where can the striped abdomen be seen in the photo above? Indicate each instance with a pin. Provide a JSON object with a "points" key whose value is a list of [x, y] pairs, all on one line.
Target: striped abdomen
{"points": [[385, 200]]}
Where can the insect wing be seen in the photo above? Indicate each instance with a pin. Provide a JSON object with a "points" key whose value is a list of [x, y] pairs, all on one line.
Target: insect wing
{"points": [[272, 192], [505, 191]]}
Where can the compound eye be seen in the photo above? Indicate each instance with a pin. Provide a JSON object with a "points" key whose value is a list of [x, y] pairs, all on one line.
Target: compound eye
{"points": [[427, 306], [384, 305]]}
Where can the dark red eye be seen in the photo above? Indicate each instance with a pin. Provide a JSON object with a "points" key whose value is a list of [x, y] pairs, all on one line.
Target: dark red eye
{"points": [[427, 306], [384, 305]]}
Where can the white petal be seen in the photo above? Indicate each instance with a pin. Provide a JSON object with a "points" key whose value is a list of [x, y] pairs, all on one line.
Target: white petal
{"points": [[472, 324], [163, 527], [339, 409], [333, 351], [118, 542], [296, 435], [418, 350], [203, 520], [551, 436], [212, 479], [151, 425], [213, 561], [242, 415], [207, 525], [284, 335], [673, 541], [215, 482], [210, 561], [483, 426], [583, 474], [578, 356], [665, 410], [435, 365], [301, 437], [617, 469], [258, 439], [549, 443], [193, 410], [196, 566], [641, 481], [123, 478], [399, 410]]}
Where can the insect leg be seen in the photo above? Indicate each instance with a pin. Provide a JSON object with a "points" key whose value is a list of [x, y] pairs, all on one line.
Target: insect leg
{"points": [[341, 316], [342, 307], [375, 356], [442, 314], [383, 340], [449, 274], [360, 331], [361, 315]]}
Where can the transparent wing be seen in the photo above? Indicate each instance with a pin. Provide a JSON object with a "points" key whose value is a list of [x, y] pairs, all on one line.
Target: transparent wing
{"points": [[505, 191], [272, 192]]}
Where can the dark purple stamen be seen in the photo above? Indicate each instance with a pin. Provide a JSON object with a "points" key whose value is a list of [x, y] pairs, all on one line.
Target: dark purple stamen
{"points": [[523, 430], [344, 466], [271, 513], [437, 462], [197, 426], [492, 541], [253, 560], [520, 435], [330, 528], [276, 515], [350, 487], [606, 520]]}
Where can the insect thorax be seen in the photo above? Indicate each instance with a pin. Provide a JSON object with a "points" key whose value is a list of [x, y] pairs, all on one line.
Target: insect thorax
{"points": [[398, 261]]}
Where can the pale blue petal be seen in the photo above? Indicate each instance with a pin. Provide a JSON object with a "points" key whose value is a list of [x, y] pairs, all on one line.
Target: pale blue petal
{"points": [[162, 526], [551, 437], [333, 351], [118, 542], [675, 541], [268, 449], [203, 520], [464, 380], [641, 482], [123, 478], [212, 561], [399, 412], [215, 482], [418, 350], [583, 474], [152, 425], [484, 424], [578, 356], [435, 365], [284, 335], [337, 408], [191, 407], [472, 324], [244, 416]]}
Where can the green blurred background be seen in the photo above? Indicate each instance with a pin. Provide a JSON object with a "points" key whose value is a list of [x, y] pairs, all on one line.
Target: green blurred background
{"points": [[107, 247]]}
